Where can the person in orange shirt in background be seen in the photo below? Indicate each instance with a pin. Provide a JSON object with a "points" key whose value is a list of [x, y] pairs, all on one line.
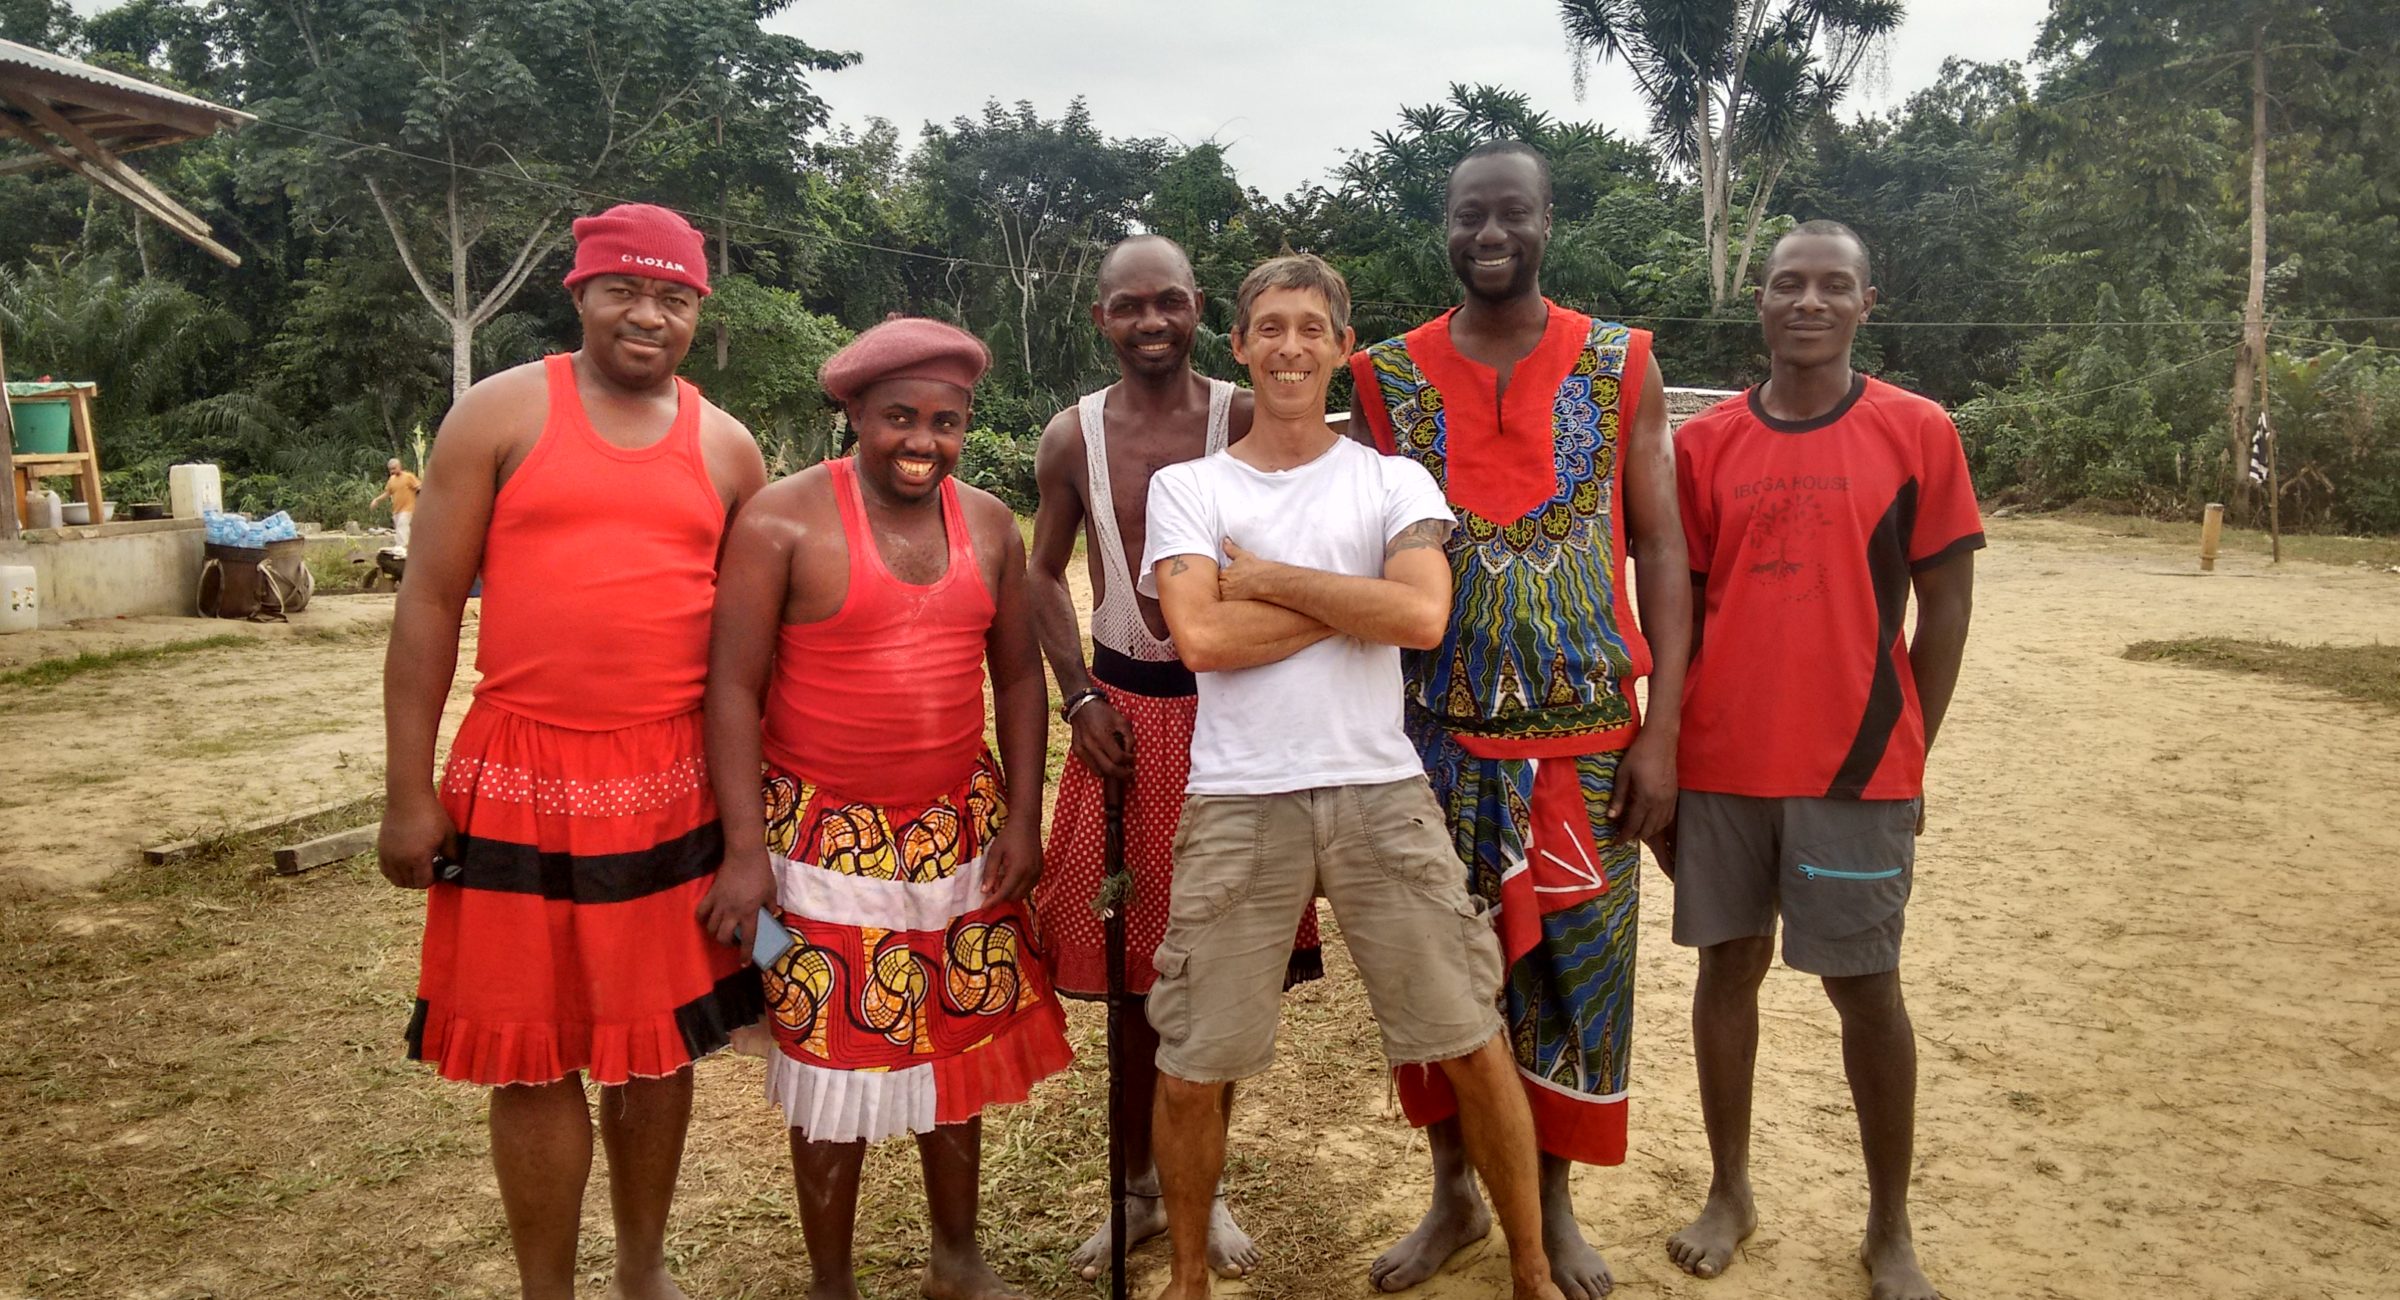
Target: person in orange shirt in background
{"points": [[401, 490]]}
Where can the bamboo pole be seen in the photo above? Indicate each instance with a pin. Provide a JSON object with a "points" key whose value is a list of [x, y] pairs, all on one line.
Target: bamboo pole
{"points": [[2274, 478], [2211, 525], [10, 518]]}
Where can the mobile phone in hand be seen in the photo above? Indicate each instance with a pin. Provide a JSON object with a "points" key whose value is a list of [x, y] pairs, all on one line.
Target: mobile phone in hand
{"points": [[771, 940]]}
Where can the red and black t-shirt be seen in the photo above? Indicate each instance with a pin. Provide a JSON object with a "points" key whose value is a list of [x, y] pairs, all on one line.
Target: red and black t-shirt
{"points": [[1803, 536]]}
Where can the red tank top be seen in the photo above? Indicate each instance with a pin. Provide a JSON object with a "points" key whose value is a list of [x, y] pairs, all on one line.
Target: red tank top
{"points": [[600, 572], [884, 700]]}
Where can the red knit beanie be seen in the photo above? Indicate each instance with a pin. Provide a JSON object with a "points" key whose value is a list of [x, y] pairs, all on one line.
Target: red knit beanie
{"points": [[640, 239]]}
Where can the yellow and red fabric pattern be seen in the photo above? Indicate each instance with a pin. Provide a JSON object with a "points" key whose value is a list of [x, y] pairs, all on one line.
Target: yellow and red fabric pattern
{"points": [[906, 1001]]}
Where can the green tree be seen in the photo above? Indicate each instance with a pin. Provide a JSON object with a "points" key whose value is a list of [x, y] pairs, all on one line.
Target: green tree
{"points": [[1933, 188], [1035, 201], [1733, 86], [770, 379], [484, 125]]}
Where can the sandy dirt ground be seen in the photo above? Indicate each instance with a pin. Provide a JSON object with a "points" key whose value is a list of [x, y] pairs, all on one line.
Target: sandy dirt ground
{"points": [[191, 745], [2153, 957]]}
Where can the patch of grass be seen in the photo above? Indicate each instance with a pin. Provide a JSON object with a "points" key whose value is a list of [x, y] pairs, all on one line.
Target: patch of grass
{"points": [[2316, 548], [50, 672], [336, 571], [2360, 672]]}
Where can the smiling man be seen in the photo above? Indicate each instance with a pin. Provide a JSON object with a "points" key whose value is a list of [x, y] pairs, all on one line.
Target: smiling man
{"points": [[1130, 708], [574, 826], [1814, 503], [1291, 567], [1547, 430], [863, 604]]}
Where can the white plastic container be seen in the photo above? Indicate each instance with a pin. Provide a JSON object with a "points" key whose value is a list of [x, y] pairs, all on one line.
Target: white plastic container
{"points": [[192, 489], [20, 599], [42, 510]]}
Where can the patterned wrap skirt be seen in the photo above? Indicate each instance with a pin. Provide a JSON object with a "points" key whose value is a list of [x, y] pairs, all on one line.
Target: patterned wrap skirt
{"points": [[1566, 891], [567, 941], [906, 1001]]}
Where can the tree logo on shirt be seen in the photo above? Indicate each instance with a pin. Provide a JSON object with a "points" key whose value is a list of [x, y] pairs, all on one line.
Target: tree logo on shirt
{"points": [[1783, 546]]}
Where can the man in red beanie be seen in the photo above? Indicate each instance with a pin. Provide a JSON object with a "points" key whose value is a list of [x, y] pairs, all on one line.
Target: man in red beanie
{"points": [[574, 834], [862, 604]]}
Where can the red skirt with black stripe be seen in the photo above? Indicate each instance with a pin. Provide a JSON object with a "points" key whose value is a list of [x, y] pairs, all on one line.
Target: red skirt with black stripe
{"points": [[568, 940]]}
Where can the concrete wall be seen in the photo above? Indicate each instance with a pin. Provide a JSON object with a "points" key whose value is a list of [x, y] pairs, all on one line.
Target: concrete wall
{"points": [[128, 568]]}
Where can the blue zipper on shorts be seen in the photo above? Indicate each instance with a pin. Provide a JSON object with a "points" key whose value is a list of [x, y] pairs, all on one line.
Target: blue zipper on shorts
{"points": [[1828, 873]]}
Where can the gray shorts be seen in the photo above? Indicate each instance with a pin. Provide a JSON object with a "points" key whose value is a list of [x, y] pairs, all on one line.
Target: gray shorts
{"points": [[1838, 870]]}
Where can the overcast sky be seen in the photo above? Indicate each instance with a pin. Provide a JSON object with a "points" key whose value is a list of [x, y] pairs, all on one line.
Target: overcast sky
{"points": [[1286, 87]]}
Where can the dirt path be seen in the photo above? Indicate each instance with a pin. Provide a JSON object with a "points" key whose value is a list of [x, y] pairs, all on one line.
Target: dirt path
{"points": [[190, 744], [2153, 956]]}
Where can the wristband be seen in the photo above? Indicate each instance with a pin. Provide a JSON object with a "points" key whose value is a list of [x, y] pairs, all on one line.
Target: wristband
{"points": [[1076, 701]]}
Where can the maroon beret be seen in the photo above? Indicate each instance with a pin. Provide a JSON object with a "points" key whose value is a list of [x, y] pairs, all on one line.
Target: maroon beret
{"points": [[905, 347]]}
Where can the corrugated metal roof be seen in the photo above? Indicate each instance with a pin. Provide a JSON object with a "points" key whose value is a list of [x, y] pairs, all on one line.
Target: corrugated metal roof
{"points": [[13, 55]]}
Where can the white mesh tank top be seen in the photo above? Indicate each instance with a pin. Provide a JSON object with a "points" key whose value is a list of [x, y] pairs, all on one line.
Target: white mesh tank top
{"points": [[1117, 620]]}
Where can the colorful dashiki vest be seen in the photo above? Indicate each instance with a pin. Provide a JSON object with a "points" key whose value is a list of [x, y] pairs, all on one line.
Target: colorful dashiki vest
{"points": [[1523, 711]]}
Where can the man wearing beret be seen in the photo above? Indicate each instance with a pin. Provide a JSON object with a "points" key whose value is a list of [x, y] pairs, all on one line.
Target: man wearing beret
{"points": [[574, 838], [862, 603]]}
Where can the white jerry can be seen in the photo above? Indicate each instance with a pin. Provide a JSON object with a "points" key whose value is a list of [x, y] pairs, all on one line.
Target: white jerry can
{"points": [[20, 598], [192, 489]]}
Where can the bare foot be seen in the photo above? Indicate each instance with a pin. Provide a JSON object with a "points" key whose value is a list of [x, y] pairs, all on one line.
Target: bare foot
{"points": [[1706, 1245], [1892, 1272], [1577, 1268], [964, 1277], [1147, 1219], [1231, 1253], [1197, 1290], [1538, 1289], [1451, 1224], [653, 1286]]}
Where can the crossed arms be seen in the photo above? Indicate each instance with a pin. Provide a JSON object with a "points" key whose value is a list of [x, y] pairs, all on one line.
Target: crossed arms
{"points": [[1250, 611]]}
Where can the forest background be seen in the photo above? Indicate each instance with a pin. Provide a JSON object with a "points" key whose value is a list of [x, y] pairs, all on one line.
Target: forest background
{"points": [[2062, 242]]}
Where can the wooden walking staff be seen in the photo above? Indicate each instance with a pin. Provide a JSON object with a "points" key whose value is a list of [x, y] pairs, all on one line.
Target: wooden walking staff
{"points": [[1116, 893]]}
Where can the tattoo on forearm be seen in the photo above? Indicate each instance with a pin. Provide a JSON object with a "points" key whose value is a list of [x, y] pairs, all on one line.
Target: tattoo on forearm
{"points": [[1181, 566], [1423, 533]]}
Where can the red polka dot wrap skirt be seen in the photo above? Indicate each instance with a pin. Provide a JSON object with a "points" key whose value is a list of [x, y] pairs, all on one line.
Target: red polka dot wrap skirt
{"points": [[1075, 861]]}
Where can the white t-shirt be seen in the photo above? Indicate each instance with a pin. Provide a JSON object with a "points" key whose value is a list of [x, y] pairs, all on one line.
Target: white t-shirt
{"points": [[1330, 714]]}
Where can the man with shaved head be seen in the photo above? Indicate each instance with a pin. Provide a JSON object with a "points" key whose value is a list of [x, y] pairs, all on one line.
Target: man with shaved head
{"points": [[1131, 706]]}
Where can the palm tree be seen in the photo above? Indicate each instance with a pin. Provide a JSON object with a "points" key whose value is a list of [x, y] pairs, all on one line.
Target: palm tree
{"points": [[1730, 83]]}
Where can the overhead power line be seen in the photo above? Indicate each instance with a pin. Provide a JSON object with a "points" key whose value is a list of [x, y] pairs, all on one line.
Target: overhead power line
{"points": [[2057, 398], [699, 217]]}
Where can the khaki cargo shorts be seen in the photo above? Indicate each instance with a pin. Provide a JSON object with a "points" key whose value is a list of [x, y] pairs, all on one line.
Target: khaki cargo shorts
{"points": [[1248, 866]]}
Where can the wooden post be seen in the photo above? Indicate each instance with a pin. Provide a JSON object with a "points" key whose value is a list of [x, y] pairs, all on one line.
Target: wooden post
{"points": [[2211, 524], [79, 419]]}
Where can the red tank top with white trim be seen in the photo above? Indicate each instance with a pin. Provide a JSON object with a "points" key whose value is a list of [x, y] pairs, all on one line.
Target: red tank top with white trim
{"points": [[600, 572], [884, 700]]}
